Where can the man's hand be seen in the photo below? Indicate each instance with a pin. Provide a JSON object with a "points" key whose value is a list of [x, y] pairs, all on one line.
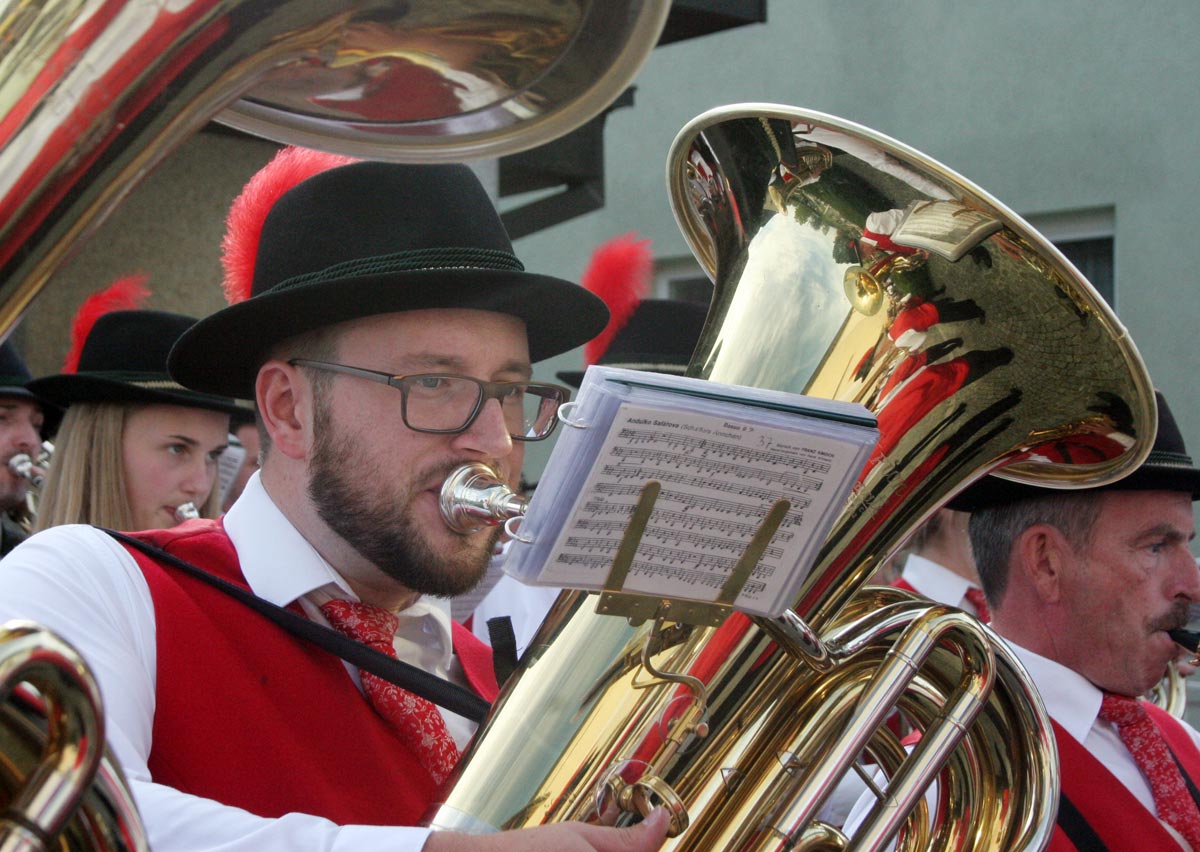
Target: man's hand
{"points": [[647, 836]]}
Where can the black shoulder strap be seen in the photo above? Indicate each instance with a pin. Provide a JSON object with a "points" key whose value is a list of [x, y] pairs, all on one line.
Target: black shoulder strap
{"points": [[417, 681], [504, 647], [1077, 829], [1187, 779]]}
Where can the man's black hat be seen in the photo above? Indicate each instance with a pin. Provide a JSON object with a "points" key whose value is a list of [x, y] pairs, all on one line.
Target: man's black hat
{"points": [[14, 384], [374, 238], [1168, 467], [659, 337], [14, 375], [124, 359]]}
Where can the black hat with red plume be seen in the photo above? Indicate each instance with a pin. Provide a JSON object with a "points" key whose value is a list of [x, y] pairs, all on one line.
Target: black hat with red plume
{"points": [[653, 335], [119, 354], [357, 239]]}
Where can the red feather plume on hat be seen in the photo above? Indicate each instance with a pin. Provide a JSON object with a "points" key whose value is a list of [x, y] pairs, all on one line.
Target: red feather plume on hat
{"points": [[124, 294], [244, 224], [619, 273]]}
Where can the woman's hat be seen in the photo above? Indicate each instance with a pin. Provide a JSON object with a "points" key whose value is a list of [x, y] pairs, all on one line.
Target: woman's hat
{"points": [[372, 238], [123, 359], [1168, 467]]}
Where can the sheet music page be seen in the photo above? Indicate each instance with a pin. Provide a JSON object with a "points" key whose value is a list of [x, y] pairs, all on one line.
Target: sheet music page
{"points": [[720, 475], [947, 228]]}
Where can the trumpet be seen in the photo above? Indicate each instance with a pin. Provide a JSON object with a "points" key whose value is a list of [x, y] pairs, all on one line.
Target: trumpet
{"points": [[186, 512], [32, 469]]}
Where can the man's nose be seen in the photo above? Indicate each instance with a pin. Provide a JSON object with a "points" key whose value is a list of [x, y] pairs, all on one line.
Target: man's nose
{"points": [[1189, 572], [489, 434], [28, 437]]}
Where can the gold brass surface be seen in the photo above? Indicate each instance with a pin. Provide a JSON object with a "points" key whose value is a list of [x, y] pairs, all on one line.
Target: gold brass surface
{"points": [[58, 787], [978, 347], [93, 95]]}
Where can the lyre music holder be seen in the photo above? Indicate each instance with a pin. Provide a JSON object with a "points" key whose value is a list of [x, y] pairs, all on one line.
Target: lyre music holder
{"points": [[638, 607]]}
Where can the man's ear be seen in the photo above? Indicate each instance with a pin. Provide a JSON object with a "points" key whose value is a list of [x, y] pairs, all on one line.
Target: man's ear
{"points": [[1043, 552], [285, 407]]}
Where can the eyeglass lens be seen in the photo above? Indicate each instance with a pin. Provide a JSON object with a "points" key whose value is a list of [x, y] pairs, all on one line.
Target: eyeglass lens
{"points": [[448, 403]]}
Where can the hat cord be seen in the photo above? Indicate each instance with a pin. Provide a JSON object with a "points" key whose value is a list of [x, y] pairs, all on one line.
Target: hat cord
{"points": [[408, 261]]}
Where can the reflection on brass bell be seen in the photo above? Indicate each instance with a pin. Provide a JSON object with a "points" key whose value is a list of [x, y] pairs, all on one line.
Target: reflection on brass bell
{"points": [[863, 290]]}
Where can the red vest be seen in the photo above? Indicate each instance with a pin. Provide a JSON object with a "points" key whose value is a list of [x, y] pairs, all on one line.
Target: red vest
{"points": [[249, 716], [1118, 819]]}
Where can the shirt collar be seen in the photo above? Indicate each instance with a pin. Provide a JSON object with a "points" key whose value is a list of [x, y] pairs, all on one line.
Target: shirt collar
{"points": [[281, 566], [934, 581], [1071, 699]]}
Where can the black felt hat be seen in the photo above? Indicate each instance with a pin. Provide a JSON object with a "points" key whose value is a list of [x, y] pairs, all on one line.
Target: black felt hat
{"points": [[659, 336], [1168, 467], [373, 238], [123, 359]]}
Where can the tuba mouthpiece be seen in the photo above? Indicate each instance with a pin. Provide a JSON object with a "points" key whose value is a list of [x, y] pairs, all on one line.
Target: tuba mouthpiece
{"points": [[473, 497]]}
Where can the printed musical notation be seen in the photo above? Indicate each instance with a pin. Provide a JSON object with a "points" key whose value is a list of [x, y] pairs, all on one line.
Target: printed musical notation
{"points": [[721, 466]]}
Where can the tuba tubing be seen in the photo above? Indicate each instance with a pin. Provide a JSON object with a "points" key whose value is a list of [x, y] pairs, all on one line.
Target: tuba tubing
{"points": [[60, 775]]}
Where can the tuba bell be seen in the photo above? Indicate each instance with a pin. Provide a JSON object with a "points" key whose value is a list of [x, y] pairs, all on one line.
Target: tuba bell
{"points": [[980, 349], [93, 95]]}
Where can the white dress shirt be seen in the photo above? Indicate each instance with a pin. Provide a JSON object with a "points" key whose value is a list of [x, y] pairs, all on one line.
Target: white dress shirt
{"points": [[83, 585], [1073, 702], [937, 582]]}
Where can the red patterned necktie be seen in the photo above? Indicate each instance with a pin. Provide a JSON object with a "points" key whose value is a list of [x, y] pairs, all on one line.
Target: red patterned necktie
{"points": [[416, 718], [975, 595], [1149, 749]]}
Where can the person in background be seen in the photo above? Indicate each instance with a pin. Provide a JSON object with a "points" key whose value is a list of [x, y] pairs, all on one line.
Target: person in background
{"points": [[22, 426], [386, 332], [939, 564], [246, 435], [1085, 586], [657, 335], [134, 446]]}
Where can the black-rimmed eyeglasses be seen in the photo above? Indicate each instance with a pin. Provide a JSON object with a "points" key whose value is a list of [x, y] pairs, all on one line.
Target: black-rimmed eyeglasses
{"points": [[446, 403]]}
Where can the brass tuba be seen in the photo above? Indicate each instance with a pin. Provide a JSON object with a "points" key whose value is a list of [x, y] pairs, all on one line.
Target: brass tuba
{"points": [[61, 789], [978, 347], [93, 95]]}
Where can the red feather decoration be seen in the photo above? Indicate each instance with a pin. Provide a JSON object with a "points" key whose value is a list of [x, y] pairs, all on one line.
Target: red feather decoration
{"points": [[619, 273], [124, 294], [244, 224]]}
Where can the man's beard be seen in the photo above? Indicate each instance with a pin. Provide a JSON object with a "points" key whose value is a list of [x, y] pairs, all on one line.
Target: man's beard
{"points": [[379, 525]]}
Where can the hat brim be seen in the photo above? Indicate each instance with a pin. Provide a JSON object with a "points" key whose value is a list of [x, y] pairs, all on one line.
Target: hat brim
{"points": [[67, 388], [993, 491], [221, 354], [574, 378], [19, 392]]}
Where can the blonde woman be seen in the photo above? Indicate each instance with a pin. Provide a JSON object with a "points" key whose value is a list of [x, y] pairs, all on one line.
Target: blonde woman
{"points": [[134, 447]]}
